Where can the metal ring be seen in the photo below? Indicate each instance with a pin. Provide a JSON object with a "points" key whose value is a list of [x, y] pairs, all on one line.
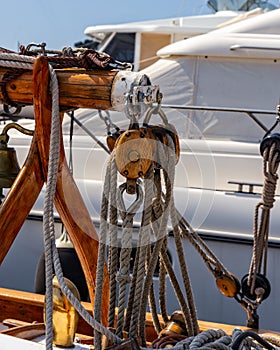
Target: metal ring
{"points": [[155, 110], [132, 209]]}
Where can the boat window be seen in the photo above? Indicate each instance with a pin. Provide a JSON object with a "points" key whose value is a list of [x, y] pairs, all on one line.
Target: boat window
{"points": [[239, 5], [121, 47], [97, 42]]}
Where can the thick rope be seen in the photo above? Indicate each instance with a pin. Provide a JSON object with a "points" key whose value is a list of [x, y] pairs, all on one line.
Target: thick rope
{"points": [[144, 240], [123, 277], [184, 272], [48, 225], [159, 226], [113, 246], [131, 295], [48, 217], [101, 253], [214, 339], [261, 229]]}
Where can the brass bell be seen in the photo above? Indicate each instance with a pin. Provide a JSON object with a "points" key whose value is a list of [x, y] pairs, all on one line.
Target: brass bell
{"points": [[9, 167], [65, 316]]}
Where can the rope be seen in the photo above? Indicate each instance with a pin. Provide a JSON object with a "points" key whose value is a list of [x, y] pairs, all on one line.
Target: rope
{"points": [[144, 240], [52, 257], [19, 65], [48, 215], [159, 227], [101, 253], [113, 248], [214, 339], [217, 339], [123, 277], [183, 266], [261, 229], [49, 233], [210, 259]]}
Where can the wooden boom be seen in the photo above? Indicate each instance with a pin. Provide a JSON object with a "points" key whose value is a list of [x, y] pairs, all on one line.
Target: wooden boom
{"points": [[78, 88]]}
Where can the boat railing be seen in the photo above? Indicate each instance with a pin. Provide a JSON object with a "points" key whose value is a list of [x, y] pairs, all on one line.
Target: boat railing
{"points": [[248, 111]]}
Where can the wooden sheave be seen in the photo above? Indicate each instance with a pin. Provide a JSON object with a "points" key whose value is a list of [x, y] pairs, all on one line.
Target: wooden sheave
{"points": [[68, 200]]}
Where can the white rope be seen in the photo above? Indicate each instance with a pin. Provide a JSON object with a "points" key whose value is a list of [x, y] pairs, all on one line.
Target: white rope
{"points": [[16, 61], [12, 64], [49, 234], [48, 216], [16, 57]]}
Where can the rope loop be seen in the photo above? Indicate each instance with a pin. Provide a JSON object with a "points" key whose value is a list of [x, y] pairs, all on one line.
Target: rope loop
{"points": [[132, 209]]}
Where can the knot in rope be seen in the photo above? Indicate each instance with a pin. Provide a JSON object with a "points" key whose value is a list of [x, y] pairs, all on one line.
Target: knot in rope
{"points": [[68, 51], [123, 277], [92, 59], [268, 194]]}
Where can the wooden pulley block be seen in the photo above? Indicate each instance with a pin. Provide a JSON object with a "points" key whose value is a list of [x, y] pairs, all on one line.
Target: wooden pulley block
{"points": [[228, 285], [135, 152], [111, 139], [161, 131]]}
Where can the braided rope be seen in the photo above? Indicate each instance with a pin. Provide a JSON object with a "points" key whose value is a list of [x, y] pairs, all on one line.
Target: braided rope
{"points": [[261, 227], [131, 298], [144, 240], [123, 277], [162, 291], [101, 253], [216, 339], [159, 227], [203, 250], [48, 216], [17, 58], [157, 212], [113, 248], [51, 253]]}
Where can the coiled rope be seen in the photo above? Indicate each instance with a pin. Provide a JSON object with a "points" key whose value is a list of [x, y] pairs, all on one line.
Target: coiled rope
{"points": [[216, 339]]}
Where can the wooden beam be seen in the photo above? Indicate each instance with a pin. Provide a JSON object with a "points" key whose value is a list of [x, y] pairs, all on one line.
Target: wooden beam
{"points": [[78, 88], [29, 307]]}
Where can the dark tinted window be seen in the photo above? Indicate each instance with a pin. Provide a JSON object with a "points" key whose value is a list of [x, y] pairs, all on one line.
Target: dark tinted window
{"points": [[121, 47]]}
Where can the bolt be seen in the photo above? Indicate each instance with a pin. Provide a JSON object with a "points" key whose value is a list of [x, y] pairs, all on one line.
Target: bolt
{"points": [[133, 156]]}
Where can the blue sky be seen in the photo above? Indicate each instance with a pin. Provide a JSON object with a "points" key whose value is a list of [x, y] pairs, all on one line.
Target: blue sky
{"points": [[61, 23]]}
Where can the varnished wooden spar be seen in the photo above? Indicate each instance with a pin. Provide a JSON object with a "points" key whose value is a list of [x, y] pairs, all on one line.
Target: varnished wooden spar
{"points": [[28, 307], [78, 88]]}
